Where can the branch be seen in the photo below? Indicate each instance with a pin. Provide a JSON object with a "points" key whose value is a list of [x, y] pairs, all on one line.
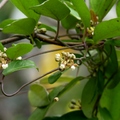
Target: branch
{"points": [[11, 39], [3, 2], [23, 86]]}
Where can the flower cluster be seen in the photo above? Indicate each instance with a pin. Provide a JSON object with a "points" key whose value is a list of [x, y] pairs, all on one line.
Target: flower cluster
{"points": [[3, 59], [66, 60]]}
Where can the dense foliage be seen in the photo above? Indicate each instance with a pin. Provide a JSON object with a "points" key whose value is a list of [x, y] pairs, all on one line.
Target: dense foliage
{"points": [[94, 42]]}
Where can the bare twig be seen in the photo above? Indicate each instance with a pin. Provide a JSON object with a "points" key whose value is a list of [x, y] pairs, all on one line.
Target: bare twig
{"points": [[3, 2], [58, 27], [23, 86], [58, 49]]}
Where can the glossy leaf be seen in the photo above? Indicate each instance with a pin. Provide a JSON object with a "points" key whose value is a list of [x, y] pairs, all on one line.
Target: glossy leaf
{"points": [[23, 26], [38, 114], [118, 8], [1, 47], [38, 96], [24, 7], [89, 97], [83, 11], [18, 65], [54, 77], [107, 29], [101, 7], [6, 22], [50, 8], [18, 50]]}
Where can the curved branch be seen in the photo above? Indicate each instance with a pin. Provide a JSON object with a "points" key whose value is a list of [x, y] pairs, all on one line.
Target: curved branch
{"points": [[26, 84]]}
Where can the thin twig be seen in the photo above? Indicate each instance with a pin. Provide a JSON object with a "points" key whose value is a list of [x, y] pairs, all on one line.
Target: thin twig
{"points": [[58, 49], [26, 84], [58, 27], [3, 2]]}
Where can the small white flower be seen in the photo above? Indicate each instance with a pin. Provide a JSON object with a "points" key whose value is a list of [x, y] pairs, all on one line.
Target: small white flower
{"points": [[19, 58], [5, 48], [73, 56], [4, 55], [72, 67], [62, 66], [57, 57], [56, 99], [4, 66], [1, 53]]}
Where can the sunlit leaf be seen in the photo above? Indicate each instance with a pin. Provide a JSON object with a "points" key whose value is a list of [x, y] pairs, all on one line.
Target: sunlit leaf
{"points": [[23, 26], [50, 8], [6, 22], [107, 29], [101, 7], [18, 65], [18, 50], [38, 96], [24, 7], [83, 11]]}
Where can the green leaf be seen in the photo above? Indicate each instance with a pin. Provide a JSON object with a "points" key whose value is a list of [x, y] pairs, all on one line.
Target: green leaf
{"points": [[74, 115], [6, 22], [1, 47], [50, 8], [101, 7], [83, 11], [112, 63], [104, 114], [115, 80], [38, 43], [118, 8], [38, 114], [69, 22], [38, 96], [89, 97], [18, 50], [23, 26], [113, 42], [54, 77], [48, 28], [55, 92], [24, 7], [111, 101], [107, 29], [18, 65]]}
